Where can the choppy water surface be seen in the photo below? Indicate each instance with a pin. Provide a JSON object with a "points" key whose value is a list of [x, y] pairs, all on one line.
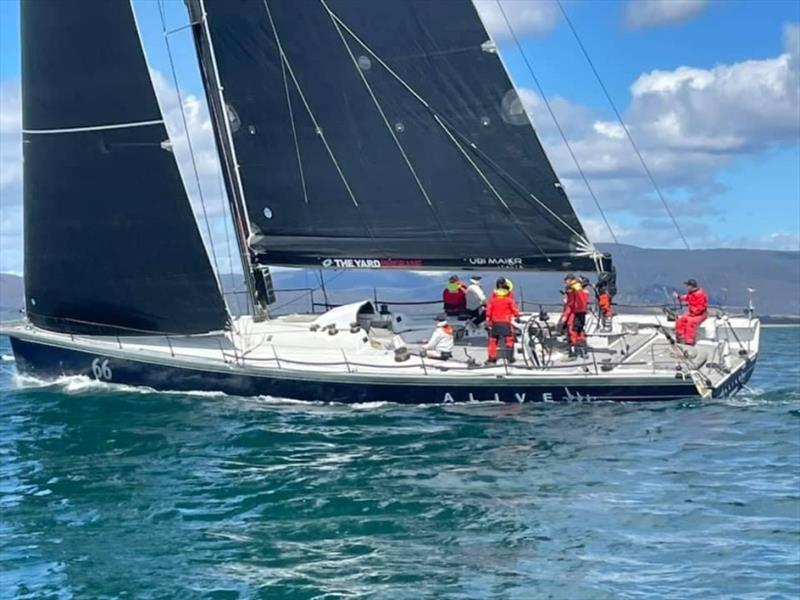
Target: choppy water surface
{"points": [[109, 492]]}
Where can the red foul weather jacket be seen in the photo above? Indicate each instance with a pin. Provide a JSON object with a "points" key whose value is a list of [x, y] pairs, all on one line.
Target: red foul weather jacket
{"points": [[454, 298], [577, 301], [501, 309], [697, 303]]}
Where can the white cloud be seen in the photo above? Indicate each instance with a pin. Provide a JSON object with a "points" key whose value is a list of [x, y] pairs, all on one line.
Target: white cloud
{"points": [[689, 123], [640, 14], [10, 178], [208, 180], [780, 240], [10, 135], [527, 17]]}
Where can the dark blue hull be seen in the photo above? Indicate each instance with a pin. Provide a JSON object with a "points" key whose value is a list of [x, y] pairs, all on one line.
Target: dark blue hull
{"points": [[49, 361]]}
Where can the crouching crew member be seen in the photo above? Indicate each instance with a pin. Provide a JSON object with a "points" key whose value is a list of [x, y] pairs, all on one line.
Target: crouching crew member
{"points": [[454, 297], [440, 346], [576, 304], [500, 311], [696, 301]]}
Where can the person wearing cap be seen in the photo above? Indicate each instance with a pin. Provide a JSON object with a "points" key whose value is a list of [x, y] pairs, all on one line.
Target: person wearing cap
{"points": [[500, 311], [476, 300], [440, 346], [696, 301], [573, 317], [454, 297]]}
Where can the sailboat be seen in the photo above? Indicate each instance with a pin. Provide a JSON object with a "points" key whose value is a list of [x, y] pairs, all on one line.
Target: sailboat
{"points": [[352, 135]]}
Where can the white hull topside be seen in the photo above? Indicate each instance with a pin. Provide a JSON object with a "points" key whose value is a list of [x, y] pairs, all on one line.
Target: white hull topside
{"points": [[354, 343]]}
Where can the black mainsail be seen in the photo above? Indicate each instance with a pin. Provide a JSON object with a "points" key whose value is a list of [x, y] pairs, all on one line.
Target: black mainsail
{"points": [[383, 134], [111, 244]]}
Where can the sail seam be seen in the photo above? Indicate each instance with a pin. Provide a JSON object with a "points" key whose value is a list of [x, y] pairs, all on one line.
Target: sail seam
{"points": [[294, 132], [318, 129], [95, 127], [439, 120], [378, 106], [488, 183]]}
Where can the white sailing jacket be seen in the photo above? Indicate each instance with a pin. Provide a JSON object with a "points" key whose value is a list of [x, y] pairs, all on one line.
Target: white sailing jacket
{"points": [[475, 296], [441, 340]]}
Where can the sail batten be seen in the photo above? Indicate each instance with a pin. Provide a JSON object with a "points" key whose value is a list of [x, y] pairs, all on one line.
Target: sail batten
{"points": [[111, 244], [105, 127]]}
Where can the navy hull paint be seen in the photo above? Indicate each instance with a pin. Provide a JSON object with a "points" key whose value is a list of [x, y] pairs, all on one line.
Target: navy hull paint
{"points": [[47, 361]]}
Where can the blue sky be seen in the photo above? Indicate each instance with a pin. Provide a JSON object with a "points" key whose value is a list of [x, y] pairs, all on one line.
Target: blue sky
{"points": [[709, 90]]}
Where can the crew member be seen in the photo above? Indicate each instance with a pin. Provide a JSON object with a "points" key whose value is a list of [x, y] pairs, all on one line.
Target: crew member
{"points": [[509, 285], [500, 311], [696, 301], [476, 300], [454, 297], [604, 308], [573, 318], [440, 346]]}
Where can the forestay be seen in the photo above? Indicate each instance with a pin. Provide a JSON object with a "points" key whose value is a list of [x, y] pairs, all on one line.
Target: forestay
{"points": [[384, 134]]}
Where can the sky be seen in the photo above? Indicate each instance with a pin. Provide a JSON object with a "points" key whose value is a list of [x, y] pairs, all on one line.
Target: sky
{"points": [[709, 91]]}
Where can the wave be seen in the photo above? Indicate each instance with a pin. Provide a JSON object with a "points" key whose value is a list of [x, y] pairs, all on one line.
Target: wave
{"points": [[78, 384]]}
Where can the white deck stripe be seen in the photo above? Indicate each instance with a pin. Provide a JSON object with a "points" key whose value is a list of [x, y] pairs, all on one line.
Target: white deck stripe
{"points": [[95, 127]]}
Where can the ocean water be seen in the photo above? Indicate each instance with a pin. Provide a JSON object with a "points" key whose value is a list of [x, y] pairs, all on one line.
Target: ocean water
{"points": [[112, 492]]}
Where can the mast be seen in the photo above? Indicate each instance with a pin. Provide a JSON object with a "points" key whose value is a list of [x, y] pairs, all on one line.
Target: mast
{"points": [[257, 279]]}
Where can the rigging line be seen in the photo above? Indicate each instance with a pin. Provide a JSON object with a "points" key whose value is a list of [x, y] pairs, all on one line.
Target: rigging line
{"points": [[377, 104], [488, 184], [191, 147], [523, 191], [318, 129], [228, 160], [624, 127], [274, 309], [321, 277], [227, 217], [385, 119], [555, 120], [444, 120], [294, 132]]}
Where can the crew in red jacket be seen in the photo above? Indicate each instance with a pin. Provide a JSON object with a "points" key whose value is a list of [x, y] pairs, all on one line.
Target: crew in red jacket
{"points": [[454, 297], [500, 311], [696, 301], [574, 315]]}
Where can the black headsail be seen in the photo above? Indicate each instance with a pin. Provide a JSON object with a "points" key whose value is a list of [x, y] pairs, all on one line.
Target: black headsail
{"points": [[111, 245], [384, 134]]}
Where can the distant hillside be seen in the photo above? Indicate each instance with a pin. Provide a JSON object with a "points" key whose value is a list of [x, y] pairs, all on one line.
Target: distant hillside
{"points": [[644, 277], [725, 274]]}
